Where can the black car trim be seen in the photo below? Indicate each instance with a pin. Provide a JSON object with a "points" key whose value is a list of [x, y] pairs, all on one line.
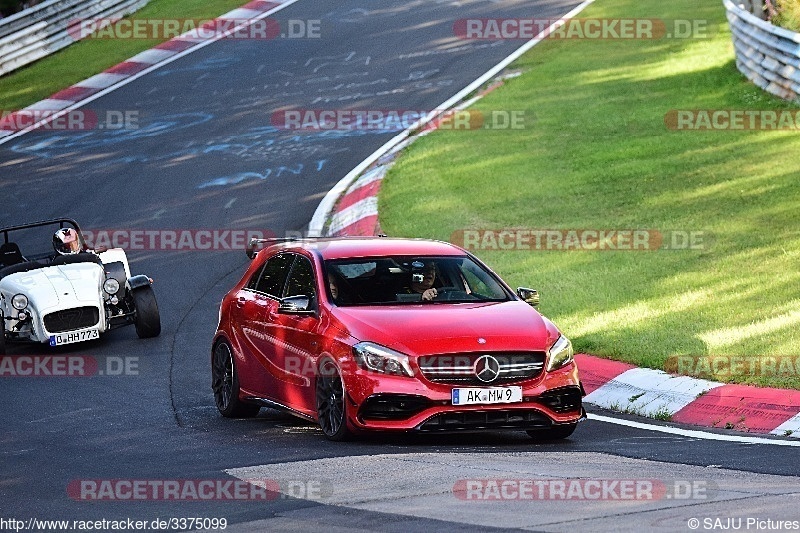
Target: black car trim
{"points": [[272, 404]]}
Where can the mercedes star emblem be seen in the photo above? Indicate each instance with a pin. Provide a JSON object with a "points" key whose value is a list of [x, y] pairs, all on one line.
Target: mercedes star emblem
{"points": [[487, 368]]}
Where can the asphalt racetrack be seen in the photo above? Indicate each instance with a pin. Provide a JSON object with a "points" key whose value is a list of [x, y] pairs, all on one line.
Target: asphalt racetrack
{"points": [[207, 155]]}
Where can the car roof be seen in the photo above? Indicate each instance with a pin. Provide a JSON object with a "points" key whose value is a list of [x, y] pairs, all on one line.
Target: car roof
{"points": [[351, 247]]}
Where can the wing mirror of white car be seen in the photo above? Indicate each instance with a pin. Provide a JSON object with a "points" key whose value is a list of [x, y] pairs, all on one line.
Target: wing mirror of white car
{"points": [[530, 296], [296, 305]]}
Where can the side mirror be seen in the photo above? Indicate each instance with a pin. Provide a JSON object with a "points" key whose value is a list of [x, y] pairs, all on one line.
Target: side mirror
{"points": [[530, 296], [296, 305], [250, 249]]}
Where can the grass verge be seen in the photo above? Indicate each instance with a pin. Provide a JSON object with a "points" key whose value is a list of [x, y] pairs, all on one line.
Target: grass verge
{"points": [[86, 58], [599, 156]]}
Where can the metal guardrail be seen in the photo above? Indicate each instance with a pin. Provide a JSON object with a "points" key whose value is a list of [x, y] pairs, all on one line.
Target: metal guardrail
{"points": [[756, 7], [768, 55], [41, 30]]}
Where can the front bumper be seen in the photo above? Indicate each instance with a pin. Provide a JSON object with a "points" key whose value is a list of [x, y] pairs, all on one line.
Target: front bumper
{"points": [[380, 402]]}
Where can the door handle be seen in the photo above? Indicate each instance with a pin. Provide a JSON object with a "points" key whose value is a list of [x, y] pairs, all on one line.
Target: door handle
{"points": [[240, 301]]}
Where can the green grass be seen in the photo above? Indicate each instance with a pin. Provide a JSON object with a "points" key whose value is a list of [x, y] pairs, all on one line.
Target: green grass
{"points": [[89, 57], [599, 156]]}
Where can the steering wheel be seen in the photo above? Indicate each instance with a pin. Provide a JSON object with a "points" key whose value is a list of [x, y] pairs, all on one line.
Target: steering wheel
{"points": [[445, 290], [444, 293]]}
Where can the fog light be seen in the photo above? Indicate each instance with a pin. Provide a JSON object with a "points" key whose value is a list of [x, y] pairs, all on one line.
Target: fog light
{"points": [[114, 300], [22, 315]]}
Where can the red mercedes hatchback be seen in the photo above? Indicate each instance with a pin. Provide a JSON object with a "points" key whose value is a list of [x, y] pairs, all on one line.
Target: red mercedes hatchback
{"points": [[393, 335]]}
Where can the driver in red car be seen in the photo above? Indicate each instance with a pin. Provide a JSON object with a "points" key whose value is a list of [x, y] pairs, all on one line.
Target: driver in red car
{"points": [[423, 277]]}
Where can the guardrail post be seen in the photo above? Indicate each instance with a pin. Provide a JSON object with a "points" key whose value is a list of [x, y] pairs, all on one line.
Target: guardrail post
{"points": [[756, 7]]}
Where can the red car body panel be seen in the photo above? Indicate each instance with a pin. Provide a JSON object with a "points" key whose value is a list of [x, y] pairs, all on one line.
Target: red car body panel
{"points": [[429, 329], [278, 355]]}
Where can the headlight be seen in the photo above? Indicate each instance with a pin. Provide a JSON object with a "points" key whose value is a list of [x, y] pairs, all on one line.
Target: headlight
{"points": [[111, 286], [381, 359], [559, 354], [19, 302]]}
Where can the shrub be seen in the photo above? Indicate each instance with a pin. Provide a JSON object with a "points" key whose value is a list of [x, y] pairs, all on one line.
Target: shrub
{"points": [[784, 13]]}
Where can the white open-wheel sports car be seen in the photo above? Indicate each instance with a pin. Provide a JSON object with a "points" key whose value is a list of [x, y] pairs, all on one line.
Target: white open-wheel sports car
{"points": [[56, 290]]}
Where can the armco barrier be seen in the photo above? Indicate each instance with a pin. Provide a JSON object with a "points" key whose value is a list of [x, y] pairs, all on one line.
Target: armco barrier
{"points": [[756, 7], [768, 55], [41, 30]]}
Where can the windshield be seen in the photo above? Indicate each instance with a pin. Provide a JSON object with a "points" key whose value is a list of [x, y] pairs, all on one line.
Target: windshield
{"points": [[404, 279]]}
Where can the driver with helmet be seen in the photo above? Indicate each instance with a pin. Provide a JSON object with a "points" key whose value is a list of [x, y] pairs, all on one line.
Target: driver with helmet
{"points": [[66, 241]]}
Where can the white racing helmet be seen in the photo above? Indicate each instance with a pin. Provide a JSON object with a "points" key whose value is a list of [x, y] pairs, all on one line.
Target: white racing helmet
{"points": [[66, 241]]}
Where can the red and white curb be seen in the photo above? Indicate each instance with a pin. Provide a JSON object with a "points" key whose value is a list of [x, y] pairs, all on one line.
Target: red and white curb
{"points": [[119, 75], [657, 394], [356, 212]]}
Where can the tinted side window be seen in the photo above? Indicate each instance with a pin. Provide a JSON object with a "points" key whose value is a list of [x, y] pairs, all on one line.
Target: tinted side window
{"points": [[301, 281], [253, 283], [273, 275]]}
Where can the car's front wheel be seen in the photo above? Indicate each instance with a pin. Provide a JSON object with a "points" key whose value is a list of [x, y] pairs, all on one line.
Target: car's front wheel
{"points": [[147, 318], [331, 405], [561, 431], [225, 384]]}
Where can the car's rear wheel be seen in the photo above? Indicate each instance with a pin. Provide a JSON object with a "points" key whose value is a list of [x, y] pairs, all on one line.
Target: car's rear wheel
{"points": [[561, 431], [148, 319], [225, 384], [331, 405]]}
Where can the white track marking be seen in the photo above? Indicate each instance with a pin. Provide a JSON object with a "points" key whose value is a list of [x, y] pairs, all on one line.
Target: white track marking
{"points": [[694, 433]]}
